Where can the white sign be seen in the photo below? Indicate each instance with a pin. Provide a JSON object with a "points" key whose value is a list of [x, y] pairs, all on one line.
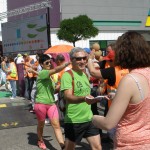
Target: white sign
{"points": [[25, 35]]}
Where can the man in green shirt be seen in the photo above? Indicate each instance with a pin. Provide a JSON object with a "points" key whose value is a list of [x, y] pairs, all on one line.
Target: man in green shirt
{"points": [[78, 113]]}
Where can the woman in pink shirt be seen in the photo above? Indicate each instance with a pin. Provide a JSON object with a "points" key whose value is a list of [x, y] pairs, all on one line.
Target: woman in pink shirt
{"points": [[130, 108]]}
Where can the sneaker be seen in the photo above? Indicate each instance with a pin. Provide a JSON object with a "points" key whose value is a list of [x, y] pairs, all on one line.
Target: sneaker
{"points": [[47, 121], [31, 111], [12, 98], [42, 145]]}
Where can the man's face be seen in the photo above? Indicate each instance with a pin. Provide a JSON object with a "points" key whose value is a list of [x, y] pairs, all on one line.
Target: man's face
{"points": [[58, 62], [5, 59], [108, 49], [26, 58], [79, 61]]}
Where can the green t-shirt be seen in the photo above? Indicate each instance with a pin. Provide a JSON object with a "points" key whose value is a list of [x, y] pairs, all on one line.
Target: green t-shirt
{"points": [[45, 88], [81, 112]]}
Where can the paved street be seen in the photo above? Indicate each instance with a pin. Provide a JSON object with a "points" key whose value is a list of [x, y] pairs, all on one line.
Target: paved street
{"points": [[25, 138]]}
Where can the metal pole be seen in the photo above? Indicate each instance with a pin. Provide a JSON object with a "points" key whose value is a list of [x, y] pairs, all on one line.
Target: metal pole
{"points": [[48, 28]]}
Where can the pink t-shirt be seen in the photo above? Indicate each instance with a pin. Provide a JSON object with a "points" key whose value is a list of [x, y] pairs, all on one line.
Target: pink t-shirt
{"points": [[133, 130]]}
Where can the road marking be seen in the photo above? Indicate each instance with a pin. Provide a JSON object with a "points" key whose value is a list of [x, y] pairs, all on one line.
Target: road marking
{"points": [[14, 124], [3, 105], [5, 125]]}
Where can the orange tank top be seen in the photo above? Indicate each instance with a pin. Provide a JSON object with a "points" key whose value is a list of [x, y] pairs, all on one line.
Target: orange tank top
{"points": [[133, 130]]}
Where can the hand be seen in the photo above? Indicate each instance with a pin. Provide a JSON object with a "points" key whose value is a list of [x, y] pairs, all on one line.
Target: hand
{"points": [[90, 99], [111, 95], [30, 70], [91, 55], [8, 72]]}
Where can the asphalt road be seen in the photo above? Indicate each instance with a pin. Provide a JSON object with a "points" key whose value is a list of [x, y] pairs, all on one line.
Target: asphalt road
{"points": [[25, 138]]}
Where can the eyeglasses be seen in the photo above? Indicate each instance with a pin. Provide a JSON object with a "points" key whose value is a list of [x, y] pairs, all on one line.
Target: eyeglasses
{"points": [[80, 58], [47, 62]]}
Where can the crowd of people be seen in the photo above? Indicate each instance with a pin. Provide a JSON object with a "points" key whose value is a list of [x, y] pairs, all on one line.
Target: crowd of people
{"points": [[121, 78]]}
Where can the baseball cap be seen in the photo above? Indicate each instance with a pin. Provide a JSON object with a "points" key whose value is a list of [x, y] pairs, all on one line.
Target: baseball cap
{"points": [[26, 54], [110, 55], [19, 55], [87, 50]]}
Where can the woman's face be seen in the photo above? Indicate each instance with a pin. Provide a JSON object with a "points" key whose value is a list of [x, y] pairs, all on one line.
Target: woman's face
{"points": [[47, 64]]}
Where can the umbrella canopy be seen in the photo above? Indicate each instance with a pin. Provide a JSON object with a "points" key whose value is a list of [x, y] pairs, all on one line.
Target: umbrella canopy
{"points": [[59, 49]]}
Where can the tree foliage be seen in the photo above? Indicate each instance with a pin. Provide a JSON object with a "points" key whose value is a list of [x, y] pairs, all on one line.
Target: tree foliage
{"points": [[77, 28]]}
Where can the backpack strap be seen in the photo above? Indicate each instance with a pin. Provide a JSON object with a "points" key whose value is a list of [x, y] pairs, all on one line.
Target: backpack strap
{"points": [[71, 73]]}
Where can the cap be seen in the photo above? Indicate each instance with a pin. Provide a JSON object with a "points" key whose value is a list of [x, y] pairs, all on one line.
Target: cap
{"points": [[110, 55], [19, 55], [87, 50], [26, 54]]}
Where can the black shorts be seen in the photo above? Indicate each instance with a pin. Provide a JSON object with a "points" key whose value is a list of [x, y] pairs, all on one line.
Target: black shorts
{"points": [[76, 131]]}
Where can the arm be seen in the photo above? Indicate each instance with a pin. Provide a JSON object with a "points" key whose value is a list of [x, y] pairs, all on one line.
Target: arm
{"points": [[4, 68], [28, 65], [118, 106], [59, 68], [93, 72], [32, 71], [72, 98], [67, 90]]}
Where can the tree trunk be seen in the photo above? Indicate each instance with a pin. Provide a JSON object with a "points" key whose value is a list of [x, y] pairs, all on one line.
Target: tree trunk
{"points": [[74, 44]]}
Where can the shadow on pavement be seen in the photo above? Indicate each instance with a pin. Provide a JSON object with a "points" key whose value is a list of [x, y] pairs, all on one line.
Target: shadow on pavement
{"points": [[32, 140], [82, 146]]}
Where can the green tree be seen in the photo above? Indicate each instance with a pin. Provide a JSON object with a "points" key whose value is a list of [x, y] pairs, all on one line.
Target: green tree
{"points": [[77, 28]]}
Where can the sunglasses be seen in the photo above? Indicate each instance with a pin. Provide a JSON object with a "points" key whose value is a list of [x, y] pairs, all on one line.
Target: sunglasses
{"points": [[80, 58], [47, 62]]}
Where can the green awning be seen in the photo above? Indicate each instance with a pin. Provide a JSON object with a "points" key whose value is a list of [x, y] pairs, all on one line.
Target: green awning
{"points": [[117, 23]]}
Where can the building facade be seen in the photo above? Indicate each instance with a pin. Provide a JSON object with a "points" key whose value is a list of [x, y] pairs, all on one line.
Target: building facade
{"points": [[3, 8], [111, 17]]}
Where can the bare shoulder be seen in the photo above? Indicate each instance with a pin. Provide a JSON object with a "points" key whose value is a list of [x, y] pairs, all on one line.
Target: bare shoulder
{"points": [[127, 86], [127, 79]]}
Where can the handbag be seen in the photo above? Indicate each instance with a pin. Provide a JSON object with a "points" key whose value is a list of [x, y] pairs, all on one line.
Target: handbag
{"points": [[13, 73]]}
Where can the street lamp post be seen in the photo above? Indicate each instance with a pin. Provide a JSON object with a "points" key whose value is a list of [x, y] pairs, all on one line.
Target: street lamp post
{"points": [[48, 28]]}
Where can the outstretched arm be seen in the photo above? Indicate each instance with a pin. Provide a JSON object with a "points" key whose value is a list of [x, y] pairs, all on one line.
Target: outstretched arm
{"points": [[59, 68], [117, 108]]}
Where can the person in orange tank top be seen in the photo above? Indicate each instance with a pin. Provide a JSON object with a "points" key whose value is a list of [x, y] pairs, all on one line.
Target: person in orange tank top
{"points": [[12, 76], [129, 110]]}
